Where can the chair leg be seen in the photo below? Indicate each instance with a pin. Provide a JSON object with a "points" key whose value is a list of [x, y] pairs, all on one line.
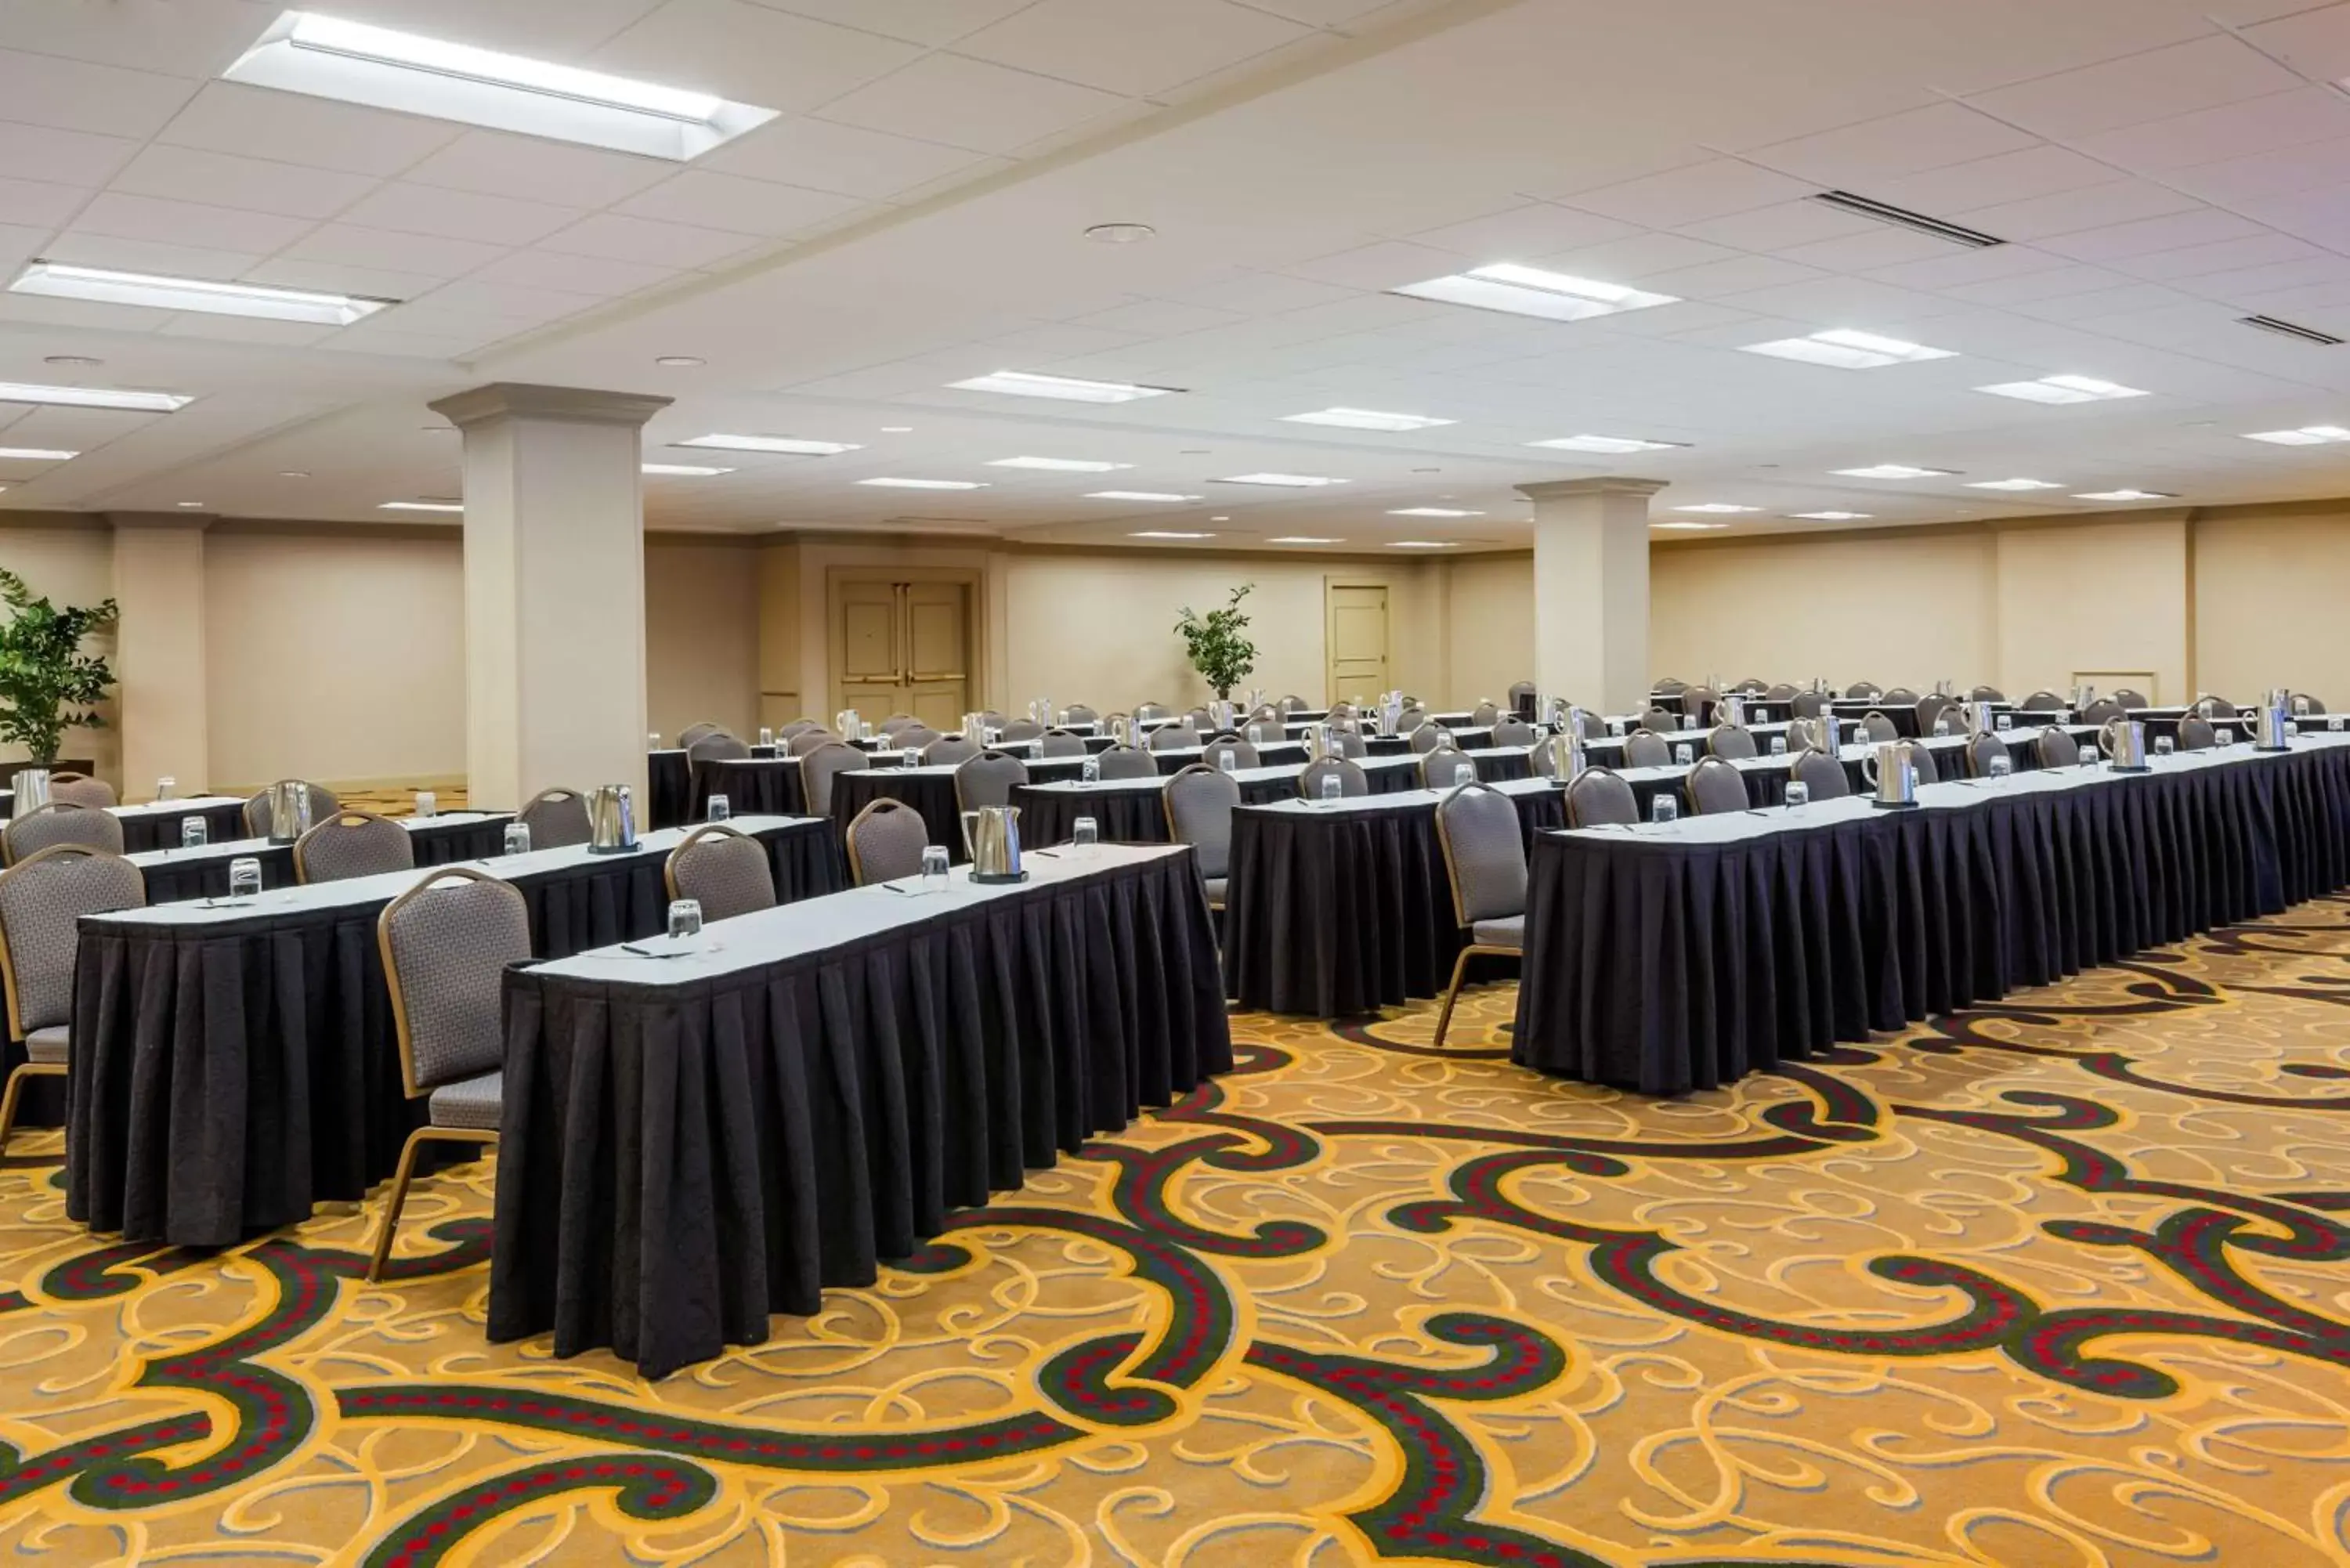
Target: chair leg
{"points": [[391, 1222], [1452, 992], [14, 1093]]}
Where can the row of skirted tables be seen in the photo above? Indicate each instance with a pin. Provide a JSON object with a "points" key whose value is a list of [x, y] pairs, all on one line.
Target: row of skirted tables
{"points": [[695, 1140]]}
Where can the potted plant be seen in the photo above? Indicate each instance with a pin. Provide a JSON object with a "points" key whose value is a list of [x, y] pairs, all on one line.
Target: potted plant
{"points": [[1217, 642], [47, 684]]}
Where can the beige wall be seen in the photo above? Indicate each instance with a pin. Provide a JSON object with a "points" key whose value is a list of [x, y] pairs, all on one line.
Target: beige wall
{"points": [[1490, 620], [702, 633], [2268, 601]]}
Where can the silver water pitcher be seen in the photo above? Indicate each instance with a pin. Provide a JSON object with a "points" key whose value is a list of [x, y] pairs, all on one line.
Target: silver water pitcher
{"points": [[32, 790], [1946, 687], [847, 723], [2269, 723], [974, 727], [1821, 734], [1731, 709], [1219, 715], [289, 810], [992, 836], [1316, 740], [1892, 772], [1561, 756], [611, 820], [2123, 740], [1981, 720]]}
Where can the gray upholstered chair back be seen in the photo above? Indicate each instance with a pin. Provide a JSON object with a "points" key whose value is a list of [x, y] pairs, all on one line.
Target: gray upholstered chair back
{"points": [[2197, 734], [1864, 691], [917, 737], [1079, 713], [1821, 773], [446, 943], [1730, 740], [1146, 712], [1440, 769], [1812, 704], [1352, 780], [1985, 750], [2041, 702], [797, 727], [1522, 695], [80, 789], [1986, 694], [1716, 787], [1669, 684], [1172, 737], [1699, 701], [886, 842], [950, 751], [1660, 719], [1127, 762], [1921, 763], [42, 897], [2129, 697], [1200, 801], [1427, 737], [1876, 728], [1060, 744], [1900, 697], [692, 732], [807, 741], [1244, 753], [1752, 685], [352, 843], [2102, 711], [722, 871], [1340, 711], [1199, 719], [1411, 720], [2303, 702], [1293, 703], [2057, 749], [1484, 854], [1599, 796], [821, 766], [557, 819], [1349, 743], [1022, 730], [988, 779], [323, 802], [2215, 707], [895, 722], [1646, 749], [1781, 692], [1929, 709], [1484, 715], [59, 823], [1513, 733], [720, 747]]}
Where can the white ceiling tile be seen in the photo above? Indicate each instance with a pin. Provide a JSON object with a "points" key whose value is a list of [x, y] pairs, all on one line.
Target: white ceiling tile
{"points": [[227, 117], [972, 104], [2255, 127], [2296, 303], [1738, 274], [187, 223], [39, 204], [19, 245], [2054, 284], [616, 237], [2279, 174], [2078, 309], [1894, 144], [48, 312], [2010, 177], [496, 164], [471, 297], [63, 157], [744, 206], [1161, 318], [2137, 88], [1378, 266], [934, 22], [1130, 46], [1536, 228], [2194, 262], [2240, 286], [1687, 195], [426, 255], [148, 255], [2316, 42], [751, 54], [2208, 226], [1948, 270], [1781, 226], [1265, 294], [380, 336], [1850, 301], [2068, 211], [574, 275], [1883, 247], [817, 155], [1635, 257], [225, 180], [408, 209], [75, 95], [246, 329], [1344, 15], [336, 278]]}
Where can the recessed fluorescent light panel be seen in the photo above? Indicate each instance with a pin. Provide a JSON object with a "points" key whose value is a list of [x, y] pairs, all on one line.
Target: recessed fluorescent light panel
{"points": [[421, 506], [2012, 484], [1167, 534], [325, 56], [92, 397], [1139, 496], [2307, 435], [1895, 471], [1059, 464], [1282, 481], [1717, 506], [1419, 544], [683, 469], [36, 454], [57, 280], [1302, 539], [1846, 350], [1367, 419], [2064, 390], [1688, 527], [1433, 511], [2124, 496], [924, 484], [1530, 291], [789, 445], [1067, 389], [1834, 516], [1613, 445]]}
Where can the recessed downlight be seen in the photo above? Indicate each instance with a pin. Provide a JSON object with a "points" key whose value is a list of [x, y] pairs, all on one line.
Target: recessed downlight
{"points": [[1717, 506], [1121, 233], [1167, 534], [2125, 495], [420, 506], [1834, 517], [1688, 527], [36, 454], [1156, 495], [1421, 543], [680, 362], [1302, 539], [682, 470]]}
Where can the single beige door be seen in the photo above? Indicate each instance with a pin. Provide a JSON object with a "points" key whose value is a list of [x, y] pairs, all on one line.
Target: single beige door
{"points": [[938, 653], [870, 659], [1357, 640], [903, 647]]}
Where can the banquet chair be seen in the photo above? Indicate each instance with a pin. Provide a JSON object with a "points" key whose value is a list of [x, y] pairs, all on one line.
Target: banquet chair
{"points": [[1486, 862], [949, 751], [1752, 685], [1730, 740], [895, 722], [1409, 720], [886, 842], [1348, 742], [1022, 730], [2103, 711], [2056, 749], [692, 732], [2197, 734], [2303, 703], [1522, 694], [1812, 704], [1244, 756], [42, 900], [1484, 715], [1060, 744], [59, 823], [1199, 718], [1515, 732], [1986, 694], [1598, 798], [1427, 737], [1127, 762], [1439, 768], [1863, 691], [2213, 707], [1782, 692], [1877, 729], [1985, 750], [1079, 713], [797, 727], [1146, 712], [323, 804], [1699, 702], [723, 869], [820, 767], [915, 737], [557, 819], [2041, 701], [352, 843], [1715, 788], [807, 741], [1338, 710], [1663, 721], [1291, 704], [988, 779], [723, 747], [1930, 709], [1200, 801], [1820, 774], [1922, 764], [1172, 737], [1900, 697], [1667, 685], [446, 943], [80, 789], [1646, 749], [2130, 697], [1353, 782], [992, 719]]}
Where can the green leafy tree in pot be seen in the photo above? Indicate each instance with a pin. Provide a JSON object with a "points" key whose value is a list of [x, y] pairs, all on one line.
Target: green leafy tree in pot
{"points": [[47, 684], [1219, 644]]}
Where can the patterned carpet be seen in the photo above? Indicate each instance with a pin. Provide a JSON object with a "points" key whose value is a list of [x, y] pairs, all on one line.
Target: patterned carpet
{"points": [[2059, 1283]]}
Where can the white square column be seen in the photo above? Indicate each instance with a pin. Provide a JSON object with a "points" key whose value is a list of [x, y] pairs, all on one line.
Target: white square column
{"points": [[1591, 590], [555, 589]]}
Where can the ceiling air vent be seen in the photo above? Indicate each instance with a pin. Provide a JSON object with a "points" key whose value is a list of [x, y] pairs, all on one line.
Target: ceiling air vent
{"points": [[2290, 329], [1844, 201]]}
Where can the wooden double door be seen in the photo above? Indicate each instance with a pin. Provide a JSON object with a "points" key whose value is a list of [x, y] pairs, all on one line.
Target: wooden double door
{"points": [[903, 647]]}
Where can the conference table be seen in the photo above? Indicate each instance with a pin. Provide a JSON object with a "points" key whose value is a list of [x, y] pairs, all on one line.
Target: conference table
{"points": [[693, 1144], [1682, 956], [172, 875], [235, 1061], [156, 824]]}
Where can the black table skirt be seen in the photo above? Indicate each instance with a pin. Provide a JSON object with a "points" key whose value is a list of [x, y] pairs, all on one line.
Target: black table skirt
{"points": [[679, 1162], [753, 787], [226, 1078], [160, 829], [934, 794], [207, 877], [1667, 966], [1341, 914], [668, 790]]}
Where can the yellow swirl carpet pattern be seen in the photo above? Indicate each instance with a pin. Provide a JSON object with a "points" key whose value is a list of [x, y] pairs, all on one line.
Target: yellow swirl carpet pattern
{"points": [[2061, 1282]]}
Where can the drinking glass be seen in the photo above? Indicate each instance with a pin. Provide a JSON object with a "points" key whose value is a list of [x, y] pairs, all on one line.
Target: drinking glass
{"points": [[1666, 807], [165, 787], [518, 837], [245, 877], [2292, 728], [1615, 726], [652, 740], [1688, 721], [684, 918], [2001, 766], [2224, 737], [2162, 745], [1778, 745], [1090, 769], [2002, 721], [2089, 753], [720, 808], [1798, 794], [2334, 721], [194, 832], [427, 804], [1463, 773], [1684, 755], [934, 868], [1333, 787], [1228, 762], [1085, 833]]}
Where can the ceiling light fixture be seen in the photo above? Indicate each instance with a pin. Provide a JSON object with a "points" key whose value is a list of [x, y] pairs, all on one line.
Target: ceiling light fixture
{"points": [[1167, 534], [1613, 445], [80, 361], [2125, 495], [59, 280], [897, 430], [1367, 419], [190, 505], [1280, 481], [1143, 495], [1059, 464], [1067, 389], [1834, 517], [790, 445], [2307, 435], [1432, 511], [680, 362], [325, 57], [1530, 291], [1844, 349], [1121, 233], [1303, 539], [2012, 484], [2064, 390], [1688, 527], [1895, 471], [924, 484], [36, 454], [421, 506], [293, 473], [1420, 544], [1720, 506], [93, 398], [683, 470]]}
